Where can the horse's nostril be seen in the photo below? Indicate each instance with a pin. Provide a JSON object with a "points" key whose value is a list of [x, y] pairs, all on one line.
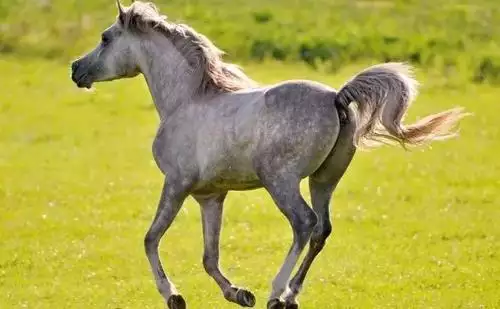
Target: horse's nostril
{"points": [[75, 65]]}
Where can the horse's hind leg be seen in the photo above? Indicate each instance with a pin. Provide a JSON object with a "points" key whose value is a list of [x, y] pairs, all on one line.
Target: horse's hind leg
{"points": [[322, 184], [211, 213], [285, 192]]}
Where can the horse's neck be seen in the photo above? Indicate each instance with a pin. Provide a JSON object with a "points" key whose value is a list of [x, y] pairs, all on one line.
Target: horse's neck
{"points": [[168, 77]]}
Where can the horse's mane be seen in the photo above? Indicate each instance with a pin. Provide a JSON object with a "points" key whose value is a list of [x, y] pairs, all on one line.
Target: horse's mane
{"points": [[197, 49]]}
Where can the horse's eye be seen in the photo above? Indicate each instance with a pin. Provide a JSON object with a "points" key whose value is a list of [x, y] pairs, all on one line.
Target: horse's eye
{"points": [[105, 39]]}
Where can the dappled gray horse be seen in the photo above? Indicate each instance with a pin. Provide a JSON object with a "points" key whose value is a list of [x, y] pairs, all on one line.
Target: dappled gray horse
{"points": [[219, 131]]}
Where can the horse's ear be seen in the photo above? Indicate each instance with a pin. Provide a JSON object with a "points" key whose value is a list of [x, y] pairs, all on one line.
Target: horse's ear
{"points": [[121, 11]]}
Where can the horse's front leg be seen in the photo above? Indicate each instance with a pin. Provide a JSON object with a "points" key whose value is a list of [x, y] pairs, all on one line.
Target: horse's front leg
{"points": [[211, 213], [172, 197]]}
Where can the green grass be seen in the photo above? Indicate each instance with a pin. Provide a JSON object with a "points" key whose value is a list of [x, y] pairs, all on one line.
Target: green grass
{"points": [[78, 189]]}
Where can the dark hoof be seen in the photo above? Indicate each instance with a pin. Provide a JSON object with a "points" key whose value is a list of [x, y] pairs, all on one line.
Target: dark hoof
{"points": [[275, 304], [176, 302], [245, 298], [291, 306]]}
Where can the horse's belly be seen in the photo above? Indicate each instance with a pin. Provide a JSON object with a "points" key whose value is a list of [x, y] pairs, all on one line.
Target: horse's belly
{"points": [[223, 184], [226, 176], [228, 185]]}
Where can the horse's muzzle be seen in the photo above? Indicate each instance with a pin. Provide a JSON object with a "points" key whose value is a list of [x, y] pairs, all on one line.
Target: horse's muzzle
{"points": [[79, 76]]}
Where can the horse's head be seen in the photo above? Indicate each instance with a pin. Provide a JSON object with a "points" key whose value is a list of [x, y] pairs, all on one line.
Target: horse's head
{"points": [[140, 37], [113, 58]]}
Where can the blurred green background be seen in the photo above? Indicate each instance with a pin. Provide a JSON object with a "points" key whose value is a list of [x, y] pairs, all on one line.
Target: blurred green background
{"points": [[458, 37], [78, 187]]}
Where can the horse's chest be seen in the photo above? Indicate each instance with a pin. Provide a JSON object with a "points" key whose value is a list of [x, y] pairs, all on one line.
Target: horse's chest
{"points": [[160, 152], [172, 151]]}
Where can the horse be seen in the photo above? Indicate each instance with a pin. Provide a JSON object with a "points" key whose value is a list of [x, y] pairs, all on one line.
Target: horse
{"points": [[220, 131]]}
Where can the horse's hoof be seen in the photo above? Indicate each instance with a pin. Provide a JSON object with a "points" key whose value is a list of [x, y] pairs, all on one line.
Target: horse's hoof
{"points": [[275, 304], [176, 302], [245, 298], [291, 305]]}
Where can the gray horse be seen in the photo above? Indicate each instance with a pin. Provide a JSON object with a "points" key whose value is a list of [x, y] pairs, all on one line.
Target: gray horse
{"points": [[219, 131]]}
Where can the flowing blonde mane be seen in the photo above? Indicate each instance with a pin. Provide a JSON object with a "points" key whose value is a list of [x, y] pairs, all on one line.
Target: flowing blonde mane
{"points": [[197, 49]]}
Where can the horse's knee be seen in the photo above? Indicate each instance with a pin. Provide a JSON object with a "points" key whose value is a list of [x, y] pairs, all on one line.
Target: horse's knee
{"points": [[304, 226], [326, 230], [210, 264], [310, 221], [149, 243], [320, 235]]}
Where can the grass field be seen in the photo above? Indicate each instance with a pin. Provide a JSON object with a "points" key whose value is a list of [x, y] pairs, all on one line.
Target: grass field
{"points": [[78, 189]]}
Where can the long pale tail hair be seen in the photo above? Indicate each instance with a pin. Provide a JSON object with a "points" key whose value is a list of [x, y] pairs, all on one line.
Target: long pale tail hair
{"points": [[382, 94]]}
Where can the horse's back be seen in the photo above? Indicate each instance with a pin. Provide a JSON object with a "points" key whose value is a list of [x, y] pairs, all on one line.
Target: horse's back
{"points": [[298, 126]]}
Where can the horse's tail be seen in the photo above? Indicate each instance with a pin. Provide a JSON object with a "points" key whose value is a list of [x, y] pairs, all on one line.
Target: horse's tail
{"points": [[382, 94]]}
